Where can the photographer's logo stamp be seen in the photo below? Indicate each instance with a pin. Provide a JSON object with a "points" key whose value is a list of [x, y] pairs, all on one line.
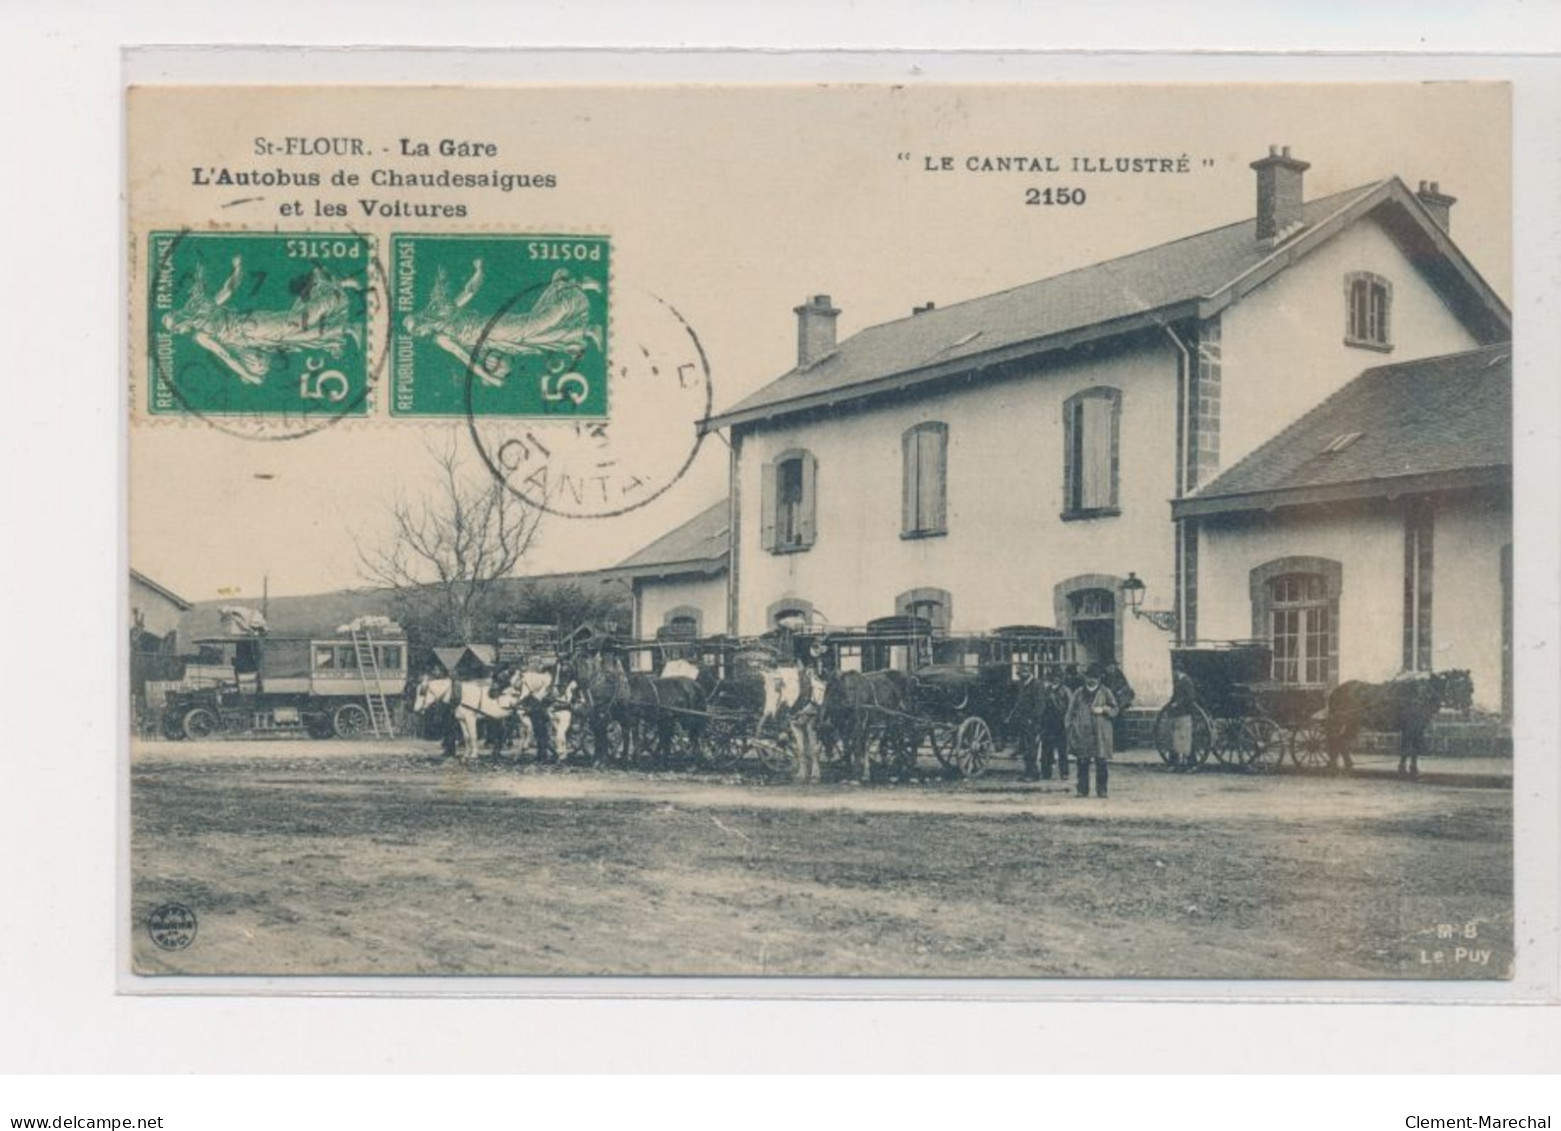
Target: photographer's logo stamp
{"points": [[171, 925], [259, 324], [490, 325]]}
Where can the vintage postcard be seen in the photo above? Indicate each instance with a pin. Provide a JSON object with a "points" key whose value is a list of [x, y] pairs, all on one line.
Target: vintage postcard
{"points": [[824, 531]]}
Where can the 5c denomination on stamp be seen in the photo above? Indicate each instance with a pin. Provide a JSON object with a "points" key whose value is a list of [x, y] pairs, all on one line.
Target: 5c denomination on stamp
{"points": [[500, 325], [260, 324]]}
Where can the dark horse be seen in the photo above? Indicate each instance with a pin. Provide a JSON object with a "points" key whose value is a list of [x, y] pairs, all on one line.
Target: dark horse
{"points": [[641, 705], [1406, 705], [858, 705]]}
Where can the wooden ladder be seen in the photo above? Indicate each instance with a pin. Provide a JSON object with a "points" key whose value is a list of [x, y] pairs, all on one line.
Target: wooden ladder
{"points": [[368, 672]]}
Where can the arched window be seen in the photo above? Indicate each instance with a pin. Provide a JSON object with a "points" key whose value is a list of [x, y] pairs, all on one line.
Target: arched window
{"points": [[935, 606], [790, 612], [682, 623], [789, 502], [1087, 608], [1091, 441], [1369, 301], [924, 492], [1295, 607]]}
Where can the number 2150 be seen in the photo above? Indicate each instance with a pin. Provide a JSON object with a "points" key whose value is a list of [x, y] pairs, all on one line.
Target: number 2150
{"points": [[1054, 196]]}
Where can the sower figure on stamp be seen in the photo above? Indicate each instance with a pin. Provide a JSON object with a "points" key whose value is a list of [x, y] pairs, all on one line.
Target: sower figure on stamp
{"points": [[1091, 712]]}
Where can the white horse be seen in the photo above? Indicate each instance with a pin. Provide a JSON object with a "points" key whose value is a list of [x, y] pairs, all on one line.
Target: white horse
{"points": [[793, 694], [469, 701], [550, 698]]}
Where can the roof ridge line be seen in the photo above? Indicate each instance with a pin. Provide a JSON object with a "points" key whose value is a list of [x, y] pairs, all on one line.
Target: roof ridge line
{"points": [[1360, 193], [1099, 263]]}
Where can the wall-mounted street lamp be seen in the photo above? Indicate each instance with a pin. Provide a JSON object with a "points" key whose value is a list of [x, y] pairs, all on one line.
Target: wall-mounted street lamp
{"points": [[1133, 593]]}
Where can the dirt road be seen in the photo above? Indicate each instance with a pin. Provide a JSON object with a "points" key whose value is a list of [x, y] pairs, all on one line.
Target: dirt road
{"points": [[302, 857]]}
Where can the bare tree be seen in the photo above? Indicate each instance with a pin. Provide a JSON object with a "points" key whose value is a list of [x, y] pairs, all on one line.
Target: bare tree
{"points": [[448, 550]]}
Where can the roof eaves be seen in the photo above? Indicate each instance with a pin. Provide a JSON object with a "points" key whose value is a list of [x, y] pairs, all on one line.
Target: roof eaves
{"points": [[1385, 487], [162, 590], [1288, 251], [702, 567], [909, 378]]}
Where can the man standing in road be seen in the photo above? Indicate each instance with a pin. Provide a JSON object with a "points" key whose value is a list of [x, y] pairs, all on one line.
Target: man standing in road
{"points": [[1091, 712]]}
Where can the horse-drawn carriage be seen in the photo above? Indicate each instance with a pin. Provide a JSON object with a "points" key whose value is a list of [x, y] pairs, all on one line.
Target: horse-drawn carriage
{"points": [[962, 699], [878, 696], [1241, 717], [1244, 718]]}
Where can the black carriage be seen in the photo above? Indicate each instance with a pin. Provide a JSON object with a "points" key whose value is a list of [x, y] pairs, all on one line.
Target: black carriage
{"points": [[1243, 718], [962, 691]]}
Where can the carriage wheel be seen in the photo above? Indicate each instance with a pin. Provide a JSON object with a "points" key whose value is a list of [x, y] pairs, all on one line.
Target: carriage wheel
{"points": [[198, 723], [350, 720], [722, 749], [973, 746], [1263, 739], [680, 746], [905, 750], [1230, 742], [1162, 735], [1204, 735], [1309, 745], [1245, 741], [172, 726], [776, 754]]}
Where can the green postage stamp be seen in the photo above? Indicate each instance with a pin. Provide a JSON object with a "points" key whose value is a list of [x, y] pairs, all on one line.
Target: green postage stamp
{"points": [[500, 325], [259, 323]]}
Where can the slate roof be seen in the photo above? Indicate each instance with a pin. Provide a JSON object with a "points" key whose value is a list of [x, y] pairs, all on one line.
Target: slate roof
{"points": [[1441, 421], [700, 545], [1194, 276]]}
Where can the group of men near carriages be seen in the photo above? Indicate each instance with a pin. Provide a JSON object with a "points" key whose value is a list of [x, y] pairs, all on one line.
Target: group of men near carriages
{"points": [[1075, 716]]}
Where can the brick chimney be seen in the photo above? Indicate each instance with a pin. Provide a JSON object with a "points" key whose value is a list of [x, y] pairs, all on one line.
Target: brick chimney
{"points": [[815, 330], [1439, 206], [1278, 193]]}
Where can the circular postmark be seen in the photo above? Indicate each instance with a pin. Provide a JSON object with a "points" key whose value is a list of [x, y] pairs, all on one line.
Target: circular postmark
{"points": [[658, 398], [265, 335], [171, 925]]}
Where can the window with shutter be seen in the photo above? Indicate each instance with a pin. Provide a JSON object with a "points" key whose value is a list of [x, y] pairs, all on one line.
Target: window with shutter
{"points": [[789, 503], [924, 494], [1091, 447]]}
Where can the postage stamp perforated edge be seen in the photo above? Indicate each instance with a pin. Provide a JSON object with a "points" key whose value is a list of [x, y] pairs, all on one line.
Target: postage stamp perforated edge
{"points": [[141, 363], [506, 234]]}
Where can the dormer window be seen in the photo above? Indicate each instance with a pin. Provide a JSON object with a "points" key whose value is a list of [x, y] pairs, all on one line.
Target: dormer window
{"points": [[1369, 300]]}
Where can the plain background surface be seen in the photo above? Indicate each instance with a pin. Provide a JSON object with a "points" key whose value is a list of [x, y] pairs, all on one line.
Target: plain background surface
{"points": [[59, 830]]}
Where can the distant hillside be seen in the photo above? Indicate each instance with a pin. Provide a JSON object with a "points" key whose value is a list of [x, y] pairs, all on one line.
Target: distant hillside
{"points": [[320, 614]]}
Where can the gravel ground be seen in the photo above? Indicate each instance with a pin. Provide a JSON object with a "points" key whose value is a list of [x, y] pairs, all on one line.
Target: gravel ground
{"points": [[301, 857]]}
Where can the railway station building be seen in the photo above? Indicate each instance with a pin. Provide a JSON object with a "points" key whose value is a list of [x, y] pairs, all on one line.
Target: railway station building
{"points": [[1015, 458], [1373, 535]]}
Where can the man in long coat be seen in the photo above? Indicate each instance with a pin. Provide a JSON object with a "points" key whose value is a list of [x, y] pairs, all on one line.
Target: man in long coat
{"points": [[1089, 719]]}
